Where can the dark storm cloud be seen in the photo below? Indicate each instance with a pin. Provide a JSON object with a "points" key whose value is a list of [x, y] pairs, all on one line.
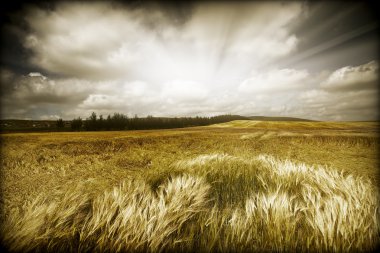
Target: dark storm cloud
{"points": [[330, 30], [328, 20], [13, 28], [179, 12], [13, 54], [33, 92]]}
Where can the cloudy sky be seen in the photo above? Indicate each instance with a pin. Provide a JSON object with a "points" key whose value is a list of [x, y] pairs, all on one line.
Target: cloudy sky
{"points": [[316, 60]]}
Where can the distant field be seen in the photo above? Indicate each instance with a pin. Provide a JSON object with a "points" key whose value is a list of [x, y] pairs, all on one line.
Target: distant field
{"points": [[302, 125], [237, 186]]}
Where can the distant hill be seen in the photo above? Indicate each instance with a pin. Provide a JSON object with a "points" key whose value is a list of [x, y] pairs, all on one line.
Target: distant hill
{"points": [[19, 125], [115, 122], [265, 118], [15, 125]]}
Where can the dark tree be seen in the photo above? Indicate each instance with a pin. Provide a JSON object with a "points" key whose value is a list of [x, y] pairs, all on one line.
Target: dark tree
{"points": [[60, 123], [101, 123], [91, 122], [76, 124], [119, 121]]}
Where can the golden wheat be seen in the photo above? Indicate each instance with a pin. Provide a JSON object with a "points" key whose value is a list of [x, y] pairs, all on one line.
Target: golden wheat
{"points": [[329, 212], [191, 191], [129, 217]]}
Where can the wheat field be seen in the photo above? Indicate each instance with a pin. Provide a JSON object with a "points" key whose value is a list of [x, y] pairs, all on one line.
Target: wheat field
{"points": [[237, 186]]}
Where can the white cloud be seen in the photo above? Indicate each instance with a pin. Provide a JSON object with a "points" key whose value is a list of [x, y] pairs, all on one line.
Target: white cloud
{"points": [[183, 91], [50, 117], [348, 93], [353, 78], [280, 93], [37, 74], [102, 41], [101, 101], [36, 88], [351, 105], [274, 81]]}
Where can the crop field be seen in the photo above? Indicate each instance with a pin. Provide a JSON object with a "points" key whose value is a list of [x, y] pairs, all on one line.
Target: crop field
{"points": [[237, 186]]}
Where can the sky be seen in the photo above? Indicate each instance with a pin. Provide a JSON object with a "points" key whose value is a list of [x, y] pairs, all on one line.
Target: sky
{"points": [[316, 60]]}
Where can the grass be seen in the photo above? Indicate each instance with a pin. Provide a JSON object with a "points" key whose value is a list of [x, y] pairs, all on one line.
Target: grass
{"points": [[267, 186]]}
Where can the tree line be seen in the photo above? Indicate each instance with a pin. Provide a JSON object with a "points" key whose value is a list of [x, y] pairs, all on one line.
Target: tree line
{"points": [[119, 121]]}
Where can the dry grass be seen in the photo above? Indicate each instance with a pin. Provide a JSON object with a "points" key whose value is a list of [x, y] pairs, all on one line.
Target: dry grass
{"points": [[201, 189], [128, 218]]}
